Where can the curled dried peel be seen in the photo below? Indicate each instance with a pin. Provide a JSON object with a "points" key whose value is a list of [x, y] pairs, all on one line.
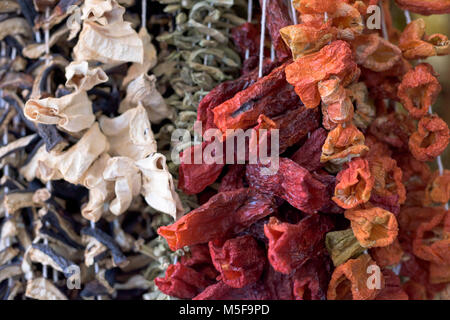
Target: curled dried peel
{"points": [[350, 280], [100, 190], [130, 134], [419, 89], [117, 42], [416, 45], [374, 227], [430, 139], [72, 112], [347, 21], [150, 59], [81, 77], [127, 182], [354, 184], [375, 53], [343, 144], [142, 90], [158, 188], [335, 59], [71, 164], [102, 11]]}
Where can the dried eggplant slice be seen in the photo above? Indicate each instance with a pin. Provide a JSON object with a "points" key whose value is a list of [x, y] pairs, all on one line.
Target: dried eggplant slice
{"points": [[44, 254], [118, 257], [15, 26], [17, 145], [93, 289], [51, 136], [61, 229], [7, 254], [10, 271], [42, 289], [17, 200]]}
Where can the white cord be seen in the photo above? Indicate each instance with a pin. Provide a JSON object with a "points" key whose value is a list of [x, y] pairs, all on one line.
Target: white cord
{"points": [[249, 19], [144, 14], [383, 23], [261, 44], [294, 13]]}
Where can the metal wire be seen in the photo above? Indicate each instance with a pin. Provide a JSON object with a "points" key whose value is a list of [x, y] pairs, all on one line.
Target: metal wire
{"points": [[262, 39], [249, 19]]}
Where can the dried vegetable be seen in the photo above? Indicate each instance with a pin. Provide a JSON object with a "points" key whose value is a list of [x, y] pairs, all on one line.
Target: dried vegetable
{"points": [[352, 210]]}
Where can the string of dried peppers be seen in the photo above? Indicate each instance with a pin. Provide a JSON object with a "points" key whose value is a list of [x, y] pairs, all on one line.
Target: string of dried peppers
{"points": [[353, 211]]}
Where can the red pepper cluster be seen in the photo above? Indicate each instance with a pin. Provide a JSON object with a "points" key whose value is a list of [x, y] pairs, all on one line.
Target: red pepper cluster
{"points": [[353, 201]]}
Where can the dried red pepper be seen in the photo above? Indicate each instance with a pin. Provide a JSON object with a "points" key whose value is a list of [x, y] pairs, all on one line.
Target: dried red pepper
{"points": [[290, 182], [240, 260], [291, 245], [308, 155], [229, 212], [182, 282]]}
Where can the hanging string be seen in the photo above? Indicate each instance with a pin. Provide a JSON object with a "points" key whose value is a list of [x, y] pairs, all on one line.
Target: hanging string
{"points": [[293, 12], [249, 19], [262, 39], [383, 22], [144, 14]]}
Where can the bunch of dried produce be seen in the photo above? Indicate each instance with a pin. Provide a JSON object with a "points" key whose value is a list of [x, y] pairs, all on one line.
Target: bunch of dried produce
{"points": [[196, 55], [84, 188], [351, 210]]}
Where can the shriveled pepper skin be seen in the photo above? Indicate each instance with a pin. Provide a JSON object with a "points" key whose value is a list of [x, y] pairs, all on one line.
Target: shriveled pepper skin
{"points": [[229, 212]]}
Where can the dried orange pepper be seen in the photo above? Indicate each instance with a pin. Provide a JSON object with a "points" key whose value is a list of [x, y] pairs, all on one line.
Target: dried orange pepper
{"points": [[335, 59], [375, 53], [364, 112], [374, 227], [354, 184], [343, 144], [388, 177], [304, 39], [315, 6], [336, 104], [388, 255], [349, 280], [430, 139], [416, 45], [425, 7], [432, 239], [438, 189], [419, 89]]}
